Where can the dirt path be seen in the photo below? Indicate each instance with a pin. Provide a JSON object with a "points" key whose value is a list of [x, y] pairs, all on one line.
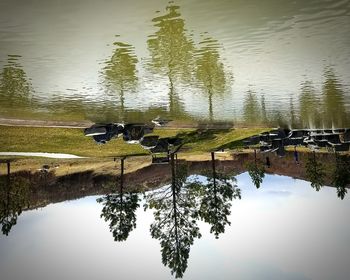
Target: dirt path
{"points": [[83, 124], [69, 124], [44, 123]]}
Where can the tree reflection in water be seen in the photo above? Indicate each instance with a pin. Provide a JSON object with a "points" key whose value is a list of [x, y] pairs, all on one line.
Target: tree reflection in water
{"points": [[120, 73], [334, 109], [171, 50], [309, 105], [15, 87], [251, 108], [211, 72], [120, 210], [175, 214]]}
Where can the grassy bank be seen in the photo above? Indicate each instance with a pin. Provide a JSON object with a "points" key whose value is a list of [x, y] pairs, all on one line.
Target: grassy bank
{"points": [[73, 141], [69, 166]]}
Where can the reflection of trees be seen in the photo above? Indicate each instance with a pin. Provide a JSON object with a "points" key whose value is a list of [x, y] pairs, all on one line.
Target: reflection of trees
{"points": [[15, 89], [293, 118], [14, 192], [216, 195], [251, 108], [175, 214], [171, 52], [264, 118], [333, 100], [341, 175], [309, 104], [315, 172], [256, 171], [119, 209], [210, 71], [327, 109], [120, 71]]}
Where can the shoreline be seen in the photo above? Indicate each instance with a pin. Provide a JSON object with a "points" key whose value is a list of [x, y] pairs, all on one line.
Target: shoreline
{"points": [[140, 174], [44, 123], [87, 123]]}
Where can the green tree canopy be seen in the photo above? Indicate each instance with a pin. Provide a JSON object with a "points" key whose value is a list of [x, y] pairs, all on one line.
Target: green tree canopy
{"points": [[14, 193], [256, 173], [341, 175], [215, 197], [119, 210], [175, 215], [315, 172]]}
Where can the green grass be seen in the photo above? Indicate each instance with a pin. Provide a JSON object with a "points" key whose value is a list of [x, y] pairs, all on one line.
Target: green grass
{"points": [[73, 141], [209, 140], [61, 140], [171, 132]]}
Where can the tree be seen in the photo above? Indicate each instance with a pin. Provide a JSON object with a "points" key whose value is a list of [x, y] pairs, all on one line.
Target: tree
{"points": [[256, 171], [14, 192], [341, 175], [175, 220], [210, 71], [315, 172], [119, 209], [120, 72], [216, 195], [171, 53]]}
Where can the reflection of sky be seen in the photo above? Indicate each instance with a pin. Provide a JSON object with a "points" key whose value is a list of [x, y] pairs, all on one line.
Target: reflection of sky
{"points": [[284, 230]]}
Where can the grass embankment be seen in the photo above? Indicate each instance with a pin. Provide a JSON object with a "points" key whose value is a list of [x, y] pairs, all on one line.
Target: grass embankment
{"points": [[69, 166], [200, 141], [69, 141], [73, 141]]}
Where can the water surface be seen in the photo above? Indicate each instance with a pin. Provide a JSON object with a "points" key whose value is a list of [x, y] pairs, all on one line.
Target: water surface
{"points": [[252, 61]]}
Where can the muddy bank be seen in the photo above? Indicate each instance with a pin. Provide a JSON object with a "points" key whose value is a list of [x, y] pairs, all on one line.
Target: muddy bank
{"points": [[45, 187]]}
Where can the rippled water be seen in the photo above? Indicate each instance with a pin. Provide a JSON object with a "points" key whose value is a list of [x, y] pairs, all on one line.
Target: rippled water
{"points": [[270, 61]]}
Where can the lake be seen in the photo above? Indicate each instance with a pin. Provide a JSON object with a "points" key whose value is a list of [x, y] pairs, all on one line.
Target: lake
{"points": [[252, 62]]}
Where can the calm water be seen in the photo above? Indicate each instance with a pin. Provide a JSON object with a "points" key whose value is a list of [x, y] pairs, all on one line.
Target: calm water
{"points": [[253, 61], [284, 230]]}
